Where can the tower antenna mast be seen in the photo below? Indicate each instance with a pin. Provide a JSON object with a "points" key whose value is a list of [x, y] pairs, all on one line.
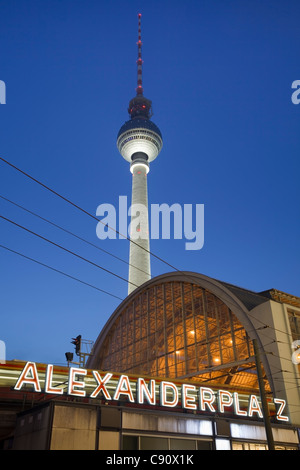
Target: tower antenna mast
{"points": [[139, 90]]}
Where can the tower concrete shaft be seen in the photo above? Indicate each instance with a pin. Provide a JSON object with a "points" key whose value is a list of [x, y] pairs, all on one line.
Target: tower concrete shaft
{"points": [[139, 254]]}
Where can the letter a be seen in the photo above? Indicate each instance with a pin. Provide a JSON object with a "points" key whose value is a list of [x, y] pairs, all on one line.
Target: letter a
{"points": [[29, 375]]}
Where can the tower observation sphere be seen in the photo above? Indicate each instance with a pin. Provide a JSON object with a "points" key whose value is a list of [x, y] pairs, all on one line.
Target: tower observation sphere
{"points": [[139, 141]]}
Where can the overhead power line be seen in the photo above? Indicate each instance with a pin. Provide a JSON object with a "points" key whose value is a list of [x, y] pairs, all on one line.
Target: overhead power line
{"points": [[58, 271], [69, 232], [83, 210], [63, 248]]}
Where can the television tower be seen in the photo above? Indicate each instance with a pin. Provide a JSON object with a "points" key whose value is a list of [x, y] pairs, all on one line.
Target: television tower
{"points": [[139, 141]]}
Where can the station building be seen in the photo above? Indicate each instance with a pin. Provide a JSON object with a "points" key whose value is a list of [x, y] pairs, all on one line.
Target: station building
{"points": [[183, 363]]}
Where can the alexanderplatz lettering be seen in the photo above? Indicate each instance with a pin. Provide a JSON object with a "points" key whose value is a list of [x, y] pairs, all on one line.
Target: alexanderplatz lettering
{"points": [[137, 390]]}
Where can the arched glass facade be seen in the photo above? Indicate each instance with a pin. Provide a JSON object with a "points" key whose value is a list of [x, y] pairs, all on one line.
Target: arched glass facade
{"points": [[179, 330]]}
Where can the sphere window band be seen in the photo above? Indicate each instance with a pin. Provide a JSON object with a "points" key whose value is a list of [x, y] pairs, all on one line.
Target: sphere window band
{"points": [[156, 141]]}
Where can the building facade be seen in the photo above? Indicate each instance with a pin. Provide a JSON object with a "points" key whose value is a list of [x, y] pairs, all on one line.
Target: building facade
{"points": [[189, 326], [174, 368]]}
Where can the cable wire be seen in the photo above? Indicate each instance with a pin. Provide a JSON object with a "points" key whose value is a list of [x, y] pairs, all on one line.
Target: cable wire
{"points": [[70, 233], [65, 249], [84, 211], [58, 271]]}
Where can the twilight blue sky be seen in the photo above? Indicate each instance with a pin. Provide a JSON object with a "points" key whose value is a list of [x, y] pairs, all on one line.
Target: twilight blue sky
{"points": [[219, 74]]}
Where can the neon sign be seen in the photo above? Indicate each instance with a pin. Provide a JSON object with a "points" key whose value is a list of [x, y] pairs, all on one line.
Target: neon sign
{"points": [[137, 390]]}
